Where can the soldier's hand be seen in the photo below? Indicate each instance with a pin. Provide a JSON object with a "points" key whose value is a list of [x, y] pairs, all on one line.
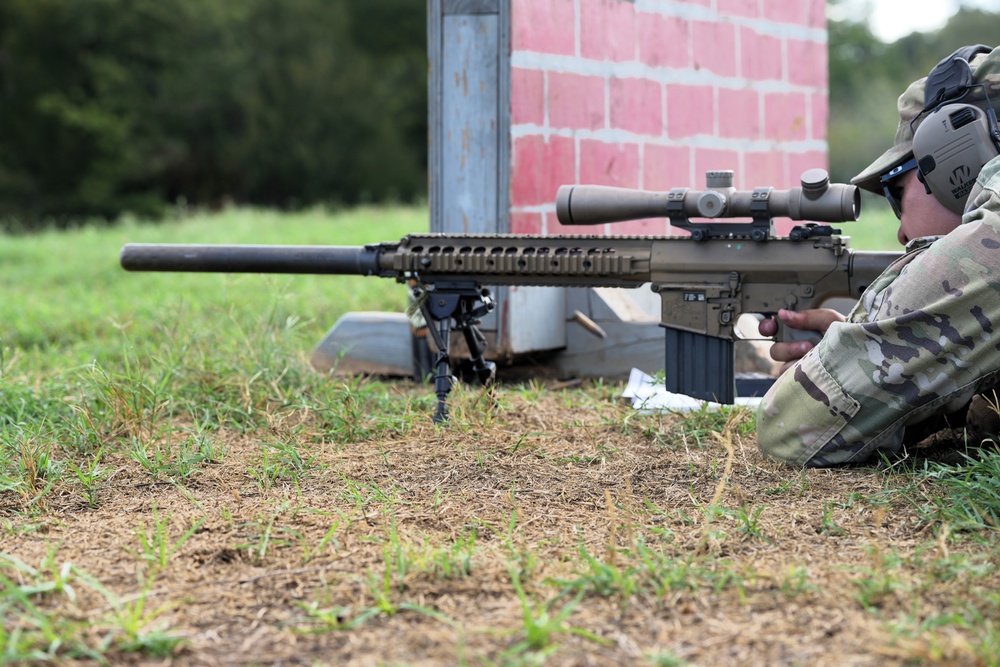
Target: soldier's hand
{"points": [[817, 319]]}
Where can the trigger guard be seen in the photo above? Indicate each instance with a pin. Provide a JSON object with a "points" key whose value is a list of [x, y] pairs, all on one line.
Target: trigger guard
{"points": [[784, 334]]}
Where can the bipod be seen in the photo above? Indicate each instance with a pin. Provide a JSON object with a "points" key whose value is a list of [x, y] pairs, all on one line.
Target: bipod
{"points": [[461, 304]]}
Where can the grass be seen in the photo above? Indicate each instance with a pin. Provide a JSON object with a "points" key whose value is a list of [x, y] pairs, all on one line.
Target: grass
{"points": [[177, 484], [102, 311]]}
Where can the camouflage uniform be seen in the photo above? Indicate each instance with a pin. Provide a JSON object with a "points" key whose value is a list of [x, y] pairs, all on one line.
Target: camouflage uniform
{"points": [[918, 344]]}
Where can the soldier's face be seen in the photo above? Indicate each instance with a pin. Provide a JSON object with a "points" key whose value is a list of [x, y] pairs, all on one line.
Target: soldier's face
{"points": [[922, 214]]}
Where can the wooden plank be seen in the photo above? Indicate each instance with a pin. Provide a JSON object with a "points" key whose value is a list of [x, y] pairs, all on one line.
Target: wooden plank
{"points": [[435, 122], [502, 222], [535, 320], [470, 140], [451, 7]]}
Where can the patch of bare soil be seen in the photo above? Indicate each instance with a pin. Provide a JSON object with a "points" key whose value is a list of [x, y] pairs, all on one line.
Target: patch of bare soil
{"points": [[556, 528]]}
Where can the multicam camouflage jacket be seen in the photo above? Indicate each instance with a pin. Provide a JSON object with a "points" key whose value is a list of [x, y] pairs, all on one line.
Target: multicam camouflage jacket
{"points": [[919, 343]]}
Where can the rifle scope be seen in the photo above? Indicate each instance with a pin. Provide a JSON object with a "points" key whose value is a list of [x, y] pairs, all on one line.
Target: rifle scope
{"points": [[817, 200]]}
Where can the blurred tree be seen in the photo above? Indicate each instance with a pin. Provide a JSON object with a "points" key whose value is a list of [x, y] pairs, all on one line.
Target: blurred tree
{"points": [[859, 98], [72, 113], [395, 35], [315, 122], [128, 105]]}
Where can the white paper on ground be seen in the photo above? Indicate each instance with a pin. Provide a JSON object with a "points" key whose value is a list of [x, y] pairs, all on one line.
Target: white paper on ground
{"points": [[648, 395]]}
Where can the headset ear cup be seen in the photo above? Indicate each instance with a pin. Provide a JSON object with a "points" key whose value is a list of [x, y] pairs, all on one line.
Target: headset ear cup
{"points": [[951, 146]]}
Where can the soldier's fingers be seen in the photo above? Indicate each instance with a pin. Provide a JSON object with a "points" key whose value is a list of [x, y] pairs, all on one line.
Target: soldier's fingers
{"points": [[790, 351], [815, 319], [767, 327]]}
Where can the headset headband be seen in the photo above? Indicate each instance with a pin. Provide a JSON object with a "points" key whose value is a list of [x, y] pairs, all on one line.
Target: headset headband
{"points": [[951, 78]]}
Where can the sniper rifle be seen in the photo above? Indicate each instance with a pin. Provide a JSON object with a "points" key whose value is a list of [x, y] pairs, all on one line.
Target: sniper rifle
{"points": [[706, 280]]}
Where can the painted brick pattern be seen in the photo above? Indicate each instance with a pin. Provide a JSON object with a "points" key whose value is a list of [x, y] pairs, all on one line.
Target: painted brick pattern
{"points": [[653, 93]]}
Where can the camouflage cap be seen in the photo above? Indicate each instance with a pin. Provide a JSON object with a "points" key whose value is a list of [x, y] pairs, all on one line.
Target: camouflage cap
{"points": [[985, 69]]}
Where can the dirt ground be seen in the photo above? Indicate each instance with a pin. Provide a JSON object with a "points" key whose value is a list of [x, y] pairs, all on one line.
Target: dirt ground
{"points": [[560, 528]]}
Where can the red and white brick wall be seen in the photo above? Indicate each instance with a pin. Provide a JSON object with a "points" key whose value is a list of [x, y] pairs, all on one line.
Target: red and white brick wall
{"points": [[653, 93]]}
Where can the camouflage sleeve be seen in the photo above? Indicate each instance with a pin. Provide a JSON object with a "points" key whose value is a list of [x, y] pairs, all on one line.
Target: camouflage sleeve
{"points": [[919, 343]]}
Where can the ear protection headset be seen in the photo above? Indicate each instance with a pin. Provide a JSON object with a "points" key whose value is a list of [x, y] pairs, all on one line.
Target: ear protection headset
{"points": [[955, 139]]}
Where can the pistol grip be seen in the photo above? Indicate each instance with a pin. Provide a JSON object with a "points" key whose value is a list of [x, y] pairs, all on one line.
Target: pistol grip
{"points": [[787, 334]]}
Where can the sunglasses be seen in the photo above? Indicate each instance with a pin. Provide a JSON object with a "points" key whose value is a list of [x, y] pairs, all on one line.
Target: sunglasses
{"points": [[890, 185]]}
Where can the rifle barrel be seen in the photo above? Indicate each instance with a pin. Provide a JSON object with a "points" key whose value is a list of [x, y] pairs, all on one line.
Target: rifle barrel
{"points": [[327, 260]]}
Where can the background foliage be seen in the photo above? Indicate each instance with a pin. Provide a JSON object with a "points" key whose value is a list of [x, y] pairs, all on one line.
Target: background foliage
{"points": [[115, 105], [112, 106]]}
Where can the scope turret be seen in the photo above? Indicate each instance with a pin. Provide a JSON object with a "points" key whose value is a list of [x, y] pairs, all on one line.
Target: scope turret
{"points": [[816, 200]]}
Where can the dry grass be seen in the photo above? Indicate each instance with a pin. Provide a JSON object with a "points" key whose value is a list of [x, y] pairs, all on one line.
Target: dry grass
{"points": [[555, 526]]}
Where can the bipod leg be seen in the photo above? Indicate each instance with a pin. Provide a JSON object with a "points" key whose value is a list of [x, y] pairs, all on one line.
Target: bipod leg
{"points": [[443, 378], [462, 303], [485, 371]]}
